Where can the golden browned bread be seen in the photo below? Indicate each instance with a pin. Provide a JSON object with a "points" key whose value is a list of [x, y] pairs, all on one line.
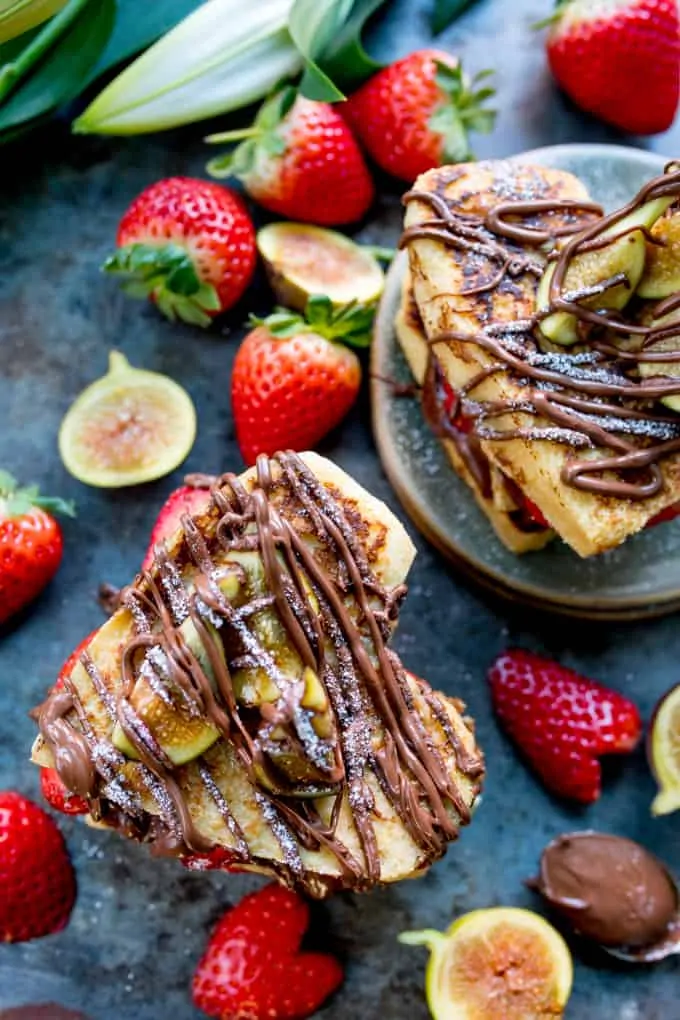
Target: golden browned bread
{"points": [[589, 522], [244, 697], [500, 506]]}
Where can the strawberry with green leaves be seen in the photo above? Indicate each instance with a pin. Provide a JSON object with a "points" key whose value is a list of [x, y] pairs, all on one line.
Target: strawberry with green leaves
{"points": [[415, 114], [31, 543], [300, 160], [187, 245], [293, 379]]}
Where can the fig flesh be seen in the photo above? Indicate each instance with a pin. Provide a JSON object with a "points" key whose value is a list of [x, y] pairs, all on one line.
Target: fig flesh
{"points": [[661, 277], [501, 962], [302, 261], [592, 269], [128, 427], [663, 752]]}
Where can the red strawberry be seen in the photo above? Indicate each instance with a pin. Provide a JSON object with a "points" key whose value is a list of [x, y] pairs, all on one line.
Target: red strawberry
{"points": [[189, 246], [619, 59], [217, 859], [669, 513], [415, 114], [561, 722], [58, 797], [185, 500], [36, 877], [252, 967], [291, 383], [299, 160], [31, 544]]}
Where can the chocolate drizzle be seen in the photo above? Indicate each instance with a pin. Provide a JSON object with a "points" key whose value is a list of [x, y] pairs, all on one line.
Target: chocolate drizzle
{"points": [[588, 398], [335, 618]]}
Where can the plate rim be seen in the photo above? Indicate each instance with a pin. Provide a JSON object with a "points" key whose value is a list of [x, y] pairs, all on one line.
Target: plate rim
{"points": [[604, 607]]}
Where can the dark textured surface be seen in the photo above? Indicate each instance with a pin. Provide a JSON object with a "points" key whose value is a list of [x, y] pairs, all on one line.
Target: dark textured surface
{"points": [[139, 925]]}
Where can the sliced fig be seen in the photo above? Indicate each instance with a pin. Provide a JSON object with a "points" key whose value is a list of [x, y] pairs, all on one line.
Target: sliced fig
{"points": [[301, 261], [501, 962], [668, 369], [128, 427], [625, 254], [661, 277], [663, 752], [181, 732]]}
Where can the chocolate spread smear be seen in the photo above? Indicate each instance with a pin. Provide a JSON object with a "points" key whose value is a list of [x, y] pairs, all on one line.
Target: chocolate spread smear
{"points": [[337, 617], [590, 399]]}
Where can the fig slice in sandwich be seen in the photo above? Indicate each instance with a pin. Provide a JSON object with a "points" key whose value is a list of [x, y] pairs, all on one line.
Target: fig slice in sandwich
{"points": [[661, 277], [591, 271]]}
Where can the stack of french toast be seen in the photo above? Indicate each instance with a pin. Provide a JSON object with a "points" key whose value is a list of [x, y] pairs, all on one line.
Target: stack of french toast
{"points": [[545, 336]]}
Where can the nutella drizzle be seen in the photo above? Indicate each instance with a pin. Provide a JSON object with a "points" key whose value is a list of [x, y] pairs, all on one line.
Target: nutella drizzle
{"points": [[337, 622], [587, 398]]}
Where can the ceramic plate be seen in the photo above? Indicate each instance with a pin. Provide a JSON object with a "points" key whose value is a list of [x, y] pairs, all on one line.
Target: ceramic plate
{"points": [[640, 578]]}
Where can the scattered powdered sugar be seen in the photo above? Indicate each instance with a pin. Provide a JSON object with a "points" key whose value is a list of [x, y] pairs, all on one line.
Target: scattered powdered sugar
{"points": [[229, 820], [206, 613], [132, 603], [653, 428], [157, 683], [315, 748], [284, 836], [175, 592], [117, 792]]}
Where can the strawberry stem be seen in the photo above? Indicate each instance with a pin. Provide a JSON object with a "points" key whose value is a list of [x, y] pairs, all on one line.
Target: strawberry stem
{"points": [[15, 501], [233, 136]]}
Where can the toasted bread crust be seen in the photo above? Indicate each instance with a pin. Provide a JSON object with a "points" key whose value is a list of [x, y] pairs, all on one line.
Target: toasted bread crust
{"points": [[409, 330], [590, 523]]}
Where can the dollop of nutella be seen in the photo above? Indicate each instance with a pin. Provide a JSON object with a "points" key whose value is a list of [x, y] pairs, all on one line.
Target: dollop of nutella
{"points": [[609, 888]]}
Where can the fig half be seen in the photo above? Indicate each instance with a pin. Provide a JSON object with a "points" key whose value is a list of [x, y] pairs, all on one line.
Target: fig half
{"points": [[301, 261], [501, 962], [663, 752], [128, 427], [661, 277], [625, 254], [181, 732]]}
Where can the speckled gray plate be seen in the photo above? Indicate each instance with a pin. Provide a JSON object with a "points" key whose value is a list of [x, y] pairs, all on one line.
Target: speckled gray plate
{"points": [[641, 578]]}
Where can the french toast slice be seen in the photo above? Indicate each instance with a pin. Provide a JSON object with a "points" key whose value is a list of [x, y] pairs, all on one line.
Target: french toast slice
{"points": [[244, 697], [497, 503], [590, 522]]}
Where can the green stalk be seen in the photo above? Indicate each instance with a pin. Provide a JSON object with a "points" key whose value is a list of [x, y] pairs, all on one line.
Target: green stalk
{"points": [[11, 74]]}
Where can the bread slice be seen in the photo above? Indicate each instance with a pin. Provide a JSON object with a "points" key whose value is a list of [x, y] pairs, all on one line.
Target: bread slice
{"points": [[500, 506], [590, 523], [389, 770]]}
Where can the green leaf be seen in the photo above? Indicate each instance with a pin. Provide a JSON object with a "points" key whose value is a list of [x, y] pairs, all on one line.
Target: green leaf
{"points": [[60, 75], [446, 11], [223, 56], [329, 38], [137, 26], [19, 16]]}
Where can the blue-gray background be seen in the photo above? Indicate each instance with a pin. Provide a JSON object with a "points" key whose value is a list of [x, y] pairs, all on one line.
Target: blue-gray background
{"points": [[139, 926]]}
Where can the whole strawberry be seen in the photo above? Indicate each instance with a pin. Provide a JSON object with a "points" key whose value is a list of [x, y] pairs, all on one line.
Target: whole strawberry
{"points": [[561, 722], [185, 500], [252, 966], [299, 160], [58, 797], [189, 246], [292, 382], [31, 543], [416, 113], [37, 880], [619, 59]]}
